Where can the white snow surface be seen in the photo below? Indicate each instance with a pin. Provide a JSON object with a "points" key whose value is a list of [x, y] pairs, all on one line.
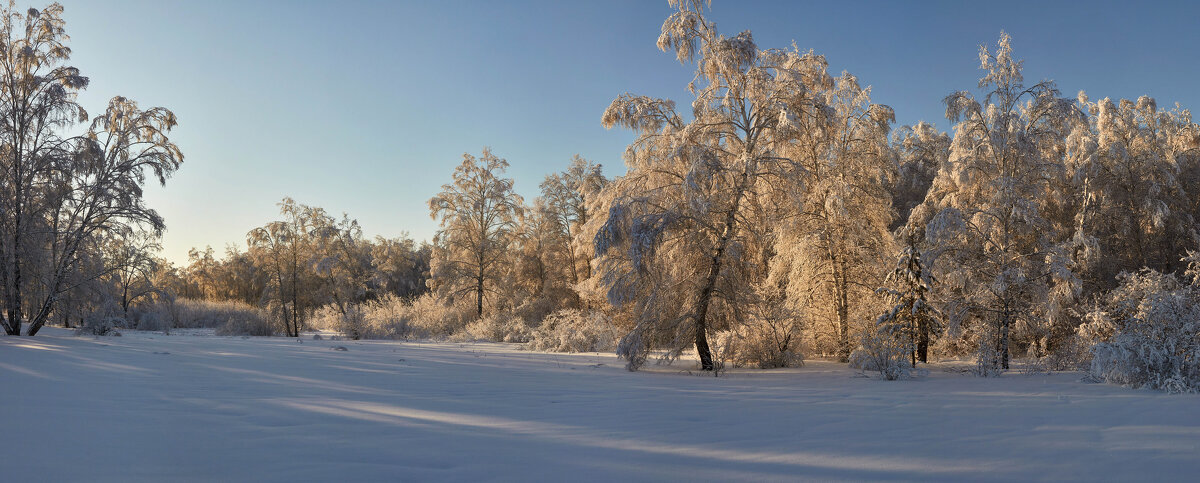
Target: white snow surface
{"points": [[150, 407]]}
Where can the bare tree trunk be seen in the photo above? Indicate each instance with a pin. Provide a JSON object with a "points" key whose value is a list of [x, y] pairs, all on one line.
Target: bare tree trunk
{"points": [[479, 296], [1004, 327], [700, 312], [699, 319], [922, 340], [841, 304]]}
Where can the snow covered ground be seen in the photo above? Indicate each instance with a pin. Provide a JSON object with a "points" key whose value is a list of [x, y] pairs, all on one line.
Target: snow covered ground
{"points": [[149, 407]]}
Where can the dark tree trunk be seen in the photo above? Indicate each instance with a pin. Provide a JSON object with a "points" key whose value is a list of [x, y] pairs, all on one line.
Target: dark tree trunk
{"points": [[479, 296], [923, 340]]}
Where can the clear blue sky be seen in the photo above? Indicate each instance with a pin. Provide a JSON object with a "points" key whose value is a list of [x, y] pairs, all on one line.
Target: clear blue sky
{"points": [[366, 107]]}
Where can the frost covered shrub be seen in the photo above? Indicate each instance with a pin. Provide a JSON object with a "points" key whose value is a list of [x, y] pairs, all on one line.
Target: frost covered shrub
{"points": [[1071, 354], [1148, 333], [392, 317], [882, 352], [761, 345], [100, 326], [351, 320], [572, 330], [155, 318], [502, 327], [247, 325], [386, 318], [430, 318], [536, 309], [190, 313]]}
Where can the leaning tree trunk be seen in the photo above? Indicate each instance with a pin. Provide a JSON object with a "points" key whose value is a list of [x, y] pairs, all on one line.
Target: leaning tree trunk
{"points": [[704, 300]]}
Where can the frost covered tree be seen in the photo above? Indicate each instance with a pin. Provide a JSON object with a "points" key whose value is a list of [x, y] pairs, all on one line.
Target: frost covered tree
{"points": [[565, 202], [1001, 254], [343, 264], [399, 266], [1129, 167], [131, 268], [911, 317], [675, 247], [921, 150], [478, 214], [59, 194], [287, 250], [831, 249]]}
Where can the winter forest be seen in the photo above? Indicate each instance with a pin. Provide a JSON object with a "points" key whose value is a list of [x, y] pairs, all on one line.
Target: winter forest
{"points": [[776, 218]]}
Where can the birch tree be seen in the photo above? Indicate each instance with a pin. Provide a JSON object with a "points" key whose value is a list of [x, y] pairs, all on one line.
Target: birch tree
{"points": [[60, 194], [478, 214], [287, 249], [1134, 206], [565, 197], [131, 268], [832, 249], [673, 247], [921, 150], [997, 249]]}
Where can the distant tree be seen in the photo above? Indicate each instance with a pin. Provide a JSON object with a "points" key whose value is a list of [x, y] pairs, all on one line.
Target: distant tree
{"points": [[131, 268], [286, 249], [478, 214], [565, 198], [344, 262], [399, 266]]}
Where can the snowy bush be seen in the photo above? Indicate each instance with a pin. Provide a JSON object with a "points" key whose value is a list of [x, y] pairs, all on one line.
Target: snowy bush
{"points": [[256, 326], [761, 345], [883, 352], [987, 358], [572, 330], [428, 317], [392, 317], [351, 320], [189, 313], [100, 326], [1148, 333], [503, 327], [1071, 354]]}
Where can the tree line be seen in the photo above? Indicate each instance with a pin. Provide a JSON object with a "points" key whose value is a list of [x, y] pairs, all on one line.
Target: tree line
{"points": [[783, 214]]}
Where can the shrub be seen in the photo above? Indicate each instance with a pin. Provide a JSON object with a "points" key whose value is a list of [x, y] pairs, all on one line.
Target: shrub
{"points": [[430, 318], [496, 328], [392, 317], [1148, 334], [350, 319], [1071, 354], [386, 318], [884, 353], [247, 326], [191, 313], [100, 326], [572, 330], [761, 345]]}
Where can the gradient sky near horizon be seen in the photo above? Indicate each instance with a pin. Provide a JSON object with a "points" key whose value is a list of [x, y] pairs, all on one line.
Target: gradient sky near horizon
{"points": [[367, 107]]}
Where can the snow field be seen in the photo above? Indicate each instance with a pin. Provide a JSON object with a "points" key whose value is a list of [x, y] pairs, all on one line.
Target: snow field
{"points": [[149, 407]]}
